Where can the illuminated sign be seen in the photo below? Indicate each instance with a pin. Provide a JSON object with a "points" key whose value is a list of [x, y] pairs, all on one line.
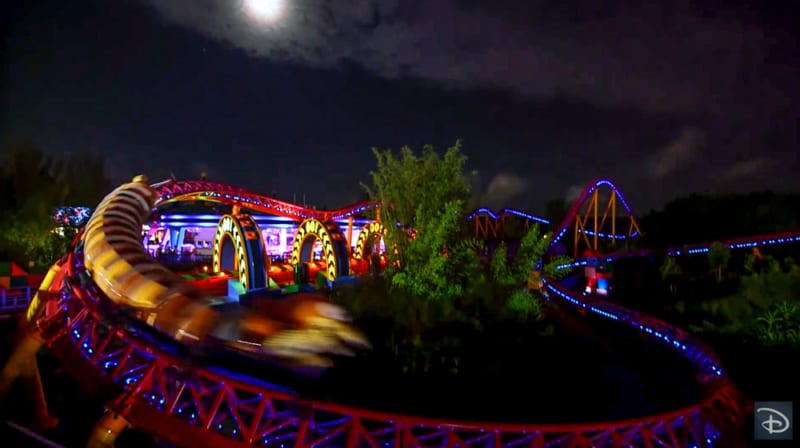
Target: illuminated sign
{"points": [[334, 249], [249, 250], [370, 234]]}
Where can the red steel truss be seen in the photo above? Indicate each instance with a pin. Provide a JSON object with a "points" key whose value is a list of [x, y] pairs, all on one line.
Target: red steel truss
{"points": [[203, 190], [193, 406]]}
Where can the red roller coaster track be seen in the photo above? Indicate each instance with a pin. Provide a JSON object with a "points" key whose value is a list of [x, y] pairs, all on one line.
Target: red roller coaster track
{"points": [[199, 407], [215, 192], [196, 406]]}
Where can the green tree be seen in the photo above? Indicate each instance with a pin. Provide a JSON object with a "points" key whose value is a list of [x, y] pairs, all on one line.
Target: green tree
{"points": [[670, 272], [749, 263], [510, 278], [425, 195], [36, 181], [429, 269], [33, 184], [85, 179], [718, 257], [771, 284], [438, 275]]}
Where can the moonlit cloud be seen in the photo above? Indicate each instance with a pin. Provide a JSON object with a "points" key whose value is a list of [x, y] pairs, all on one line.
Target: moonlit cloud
{"points": [[750, 168], [573, 193], [653, 57], [503, 190], [681, 151]]}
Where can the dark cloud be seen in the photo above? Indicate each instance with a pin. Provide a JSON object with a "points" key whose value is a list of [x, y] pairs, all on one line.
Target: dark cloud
{"points": [[555, 93], [673, 57]]}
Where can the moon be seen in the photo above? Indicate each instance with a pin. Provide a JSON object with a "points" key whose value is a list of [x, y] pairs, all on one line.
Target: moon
{"points": [[266, 10]]}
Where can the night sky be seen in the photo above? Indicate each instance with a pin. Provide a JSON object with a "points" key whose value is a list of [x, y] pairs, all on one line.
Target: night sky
{"points": [[545, 95]]}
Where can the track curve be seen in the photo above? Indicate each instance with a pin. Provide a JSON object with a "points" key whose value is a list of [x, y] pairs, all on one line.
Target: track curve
{"points": [[566, 223], [749, 242], [188, 404], [197, 406], [304, 333]]}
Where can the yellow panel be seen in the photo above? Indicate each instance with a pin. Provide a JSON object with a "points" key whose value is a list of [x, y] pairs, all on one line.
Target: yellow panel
{"points": [[93, 238], [144, 294], [118, 268], [103, 258]]}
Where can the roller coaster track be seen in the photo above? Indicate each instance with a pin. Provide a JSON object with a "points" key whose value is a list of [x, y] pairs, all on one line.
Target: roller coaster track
{"points": [[591, 225], [173, 191], [750, 242], [192, 405]]}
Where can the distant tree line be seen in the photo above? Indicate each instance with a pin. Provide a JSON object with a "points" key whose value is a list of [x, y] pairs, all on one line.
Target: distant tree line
{"points": [[705, 218], [32, 183]]}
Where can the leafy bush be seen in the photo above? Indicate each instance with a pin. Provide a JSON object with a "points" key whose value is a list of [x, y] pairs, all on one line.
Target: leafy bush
{"points": [[34, 241], [718, 257], [439, 281], [766, 304], [780, 325]]}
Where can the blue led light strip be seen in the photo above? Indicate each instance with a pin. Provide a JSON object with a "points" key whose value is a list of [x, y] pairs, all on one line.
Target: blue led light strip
{"points": [[705, 361], [739, 243], [697, 249], [507, 211]]}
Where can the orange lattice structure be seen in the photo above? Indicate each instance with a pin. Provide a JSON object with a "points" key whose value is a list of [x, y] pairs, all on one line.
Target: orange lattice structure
{"points": [[492, 225], [592, 220]]}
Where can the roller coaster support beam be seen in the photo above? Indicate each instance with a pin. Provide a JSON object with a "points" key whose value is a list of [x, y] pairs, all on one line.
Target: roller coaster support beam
{"points": [[613, 205], [595, 201], [350, 237], [106, 431], [589, 226], [22, 363]]}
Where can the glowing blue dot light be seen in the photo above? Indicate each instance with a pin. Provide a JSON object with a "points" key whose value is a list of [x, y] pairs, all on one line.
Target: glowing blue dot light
{"points": [[672, 336], [582, 199], [758, 241], [507, 211]]}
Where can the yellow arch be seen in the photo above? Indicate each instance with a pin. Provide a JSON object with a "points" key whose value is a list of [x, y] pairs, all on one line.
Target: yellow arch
{"points": [[334, 248], [369, 234], [35, 305], [231, 228]]}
